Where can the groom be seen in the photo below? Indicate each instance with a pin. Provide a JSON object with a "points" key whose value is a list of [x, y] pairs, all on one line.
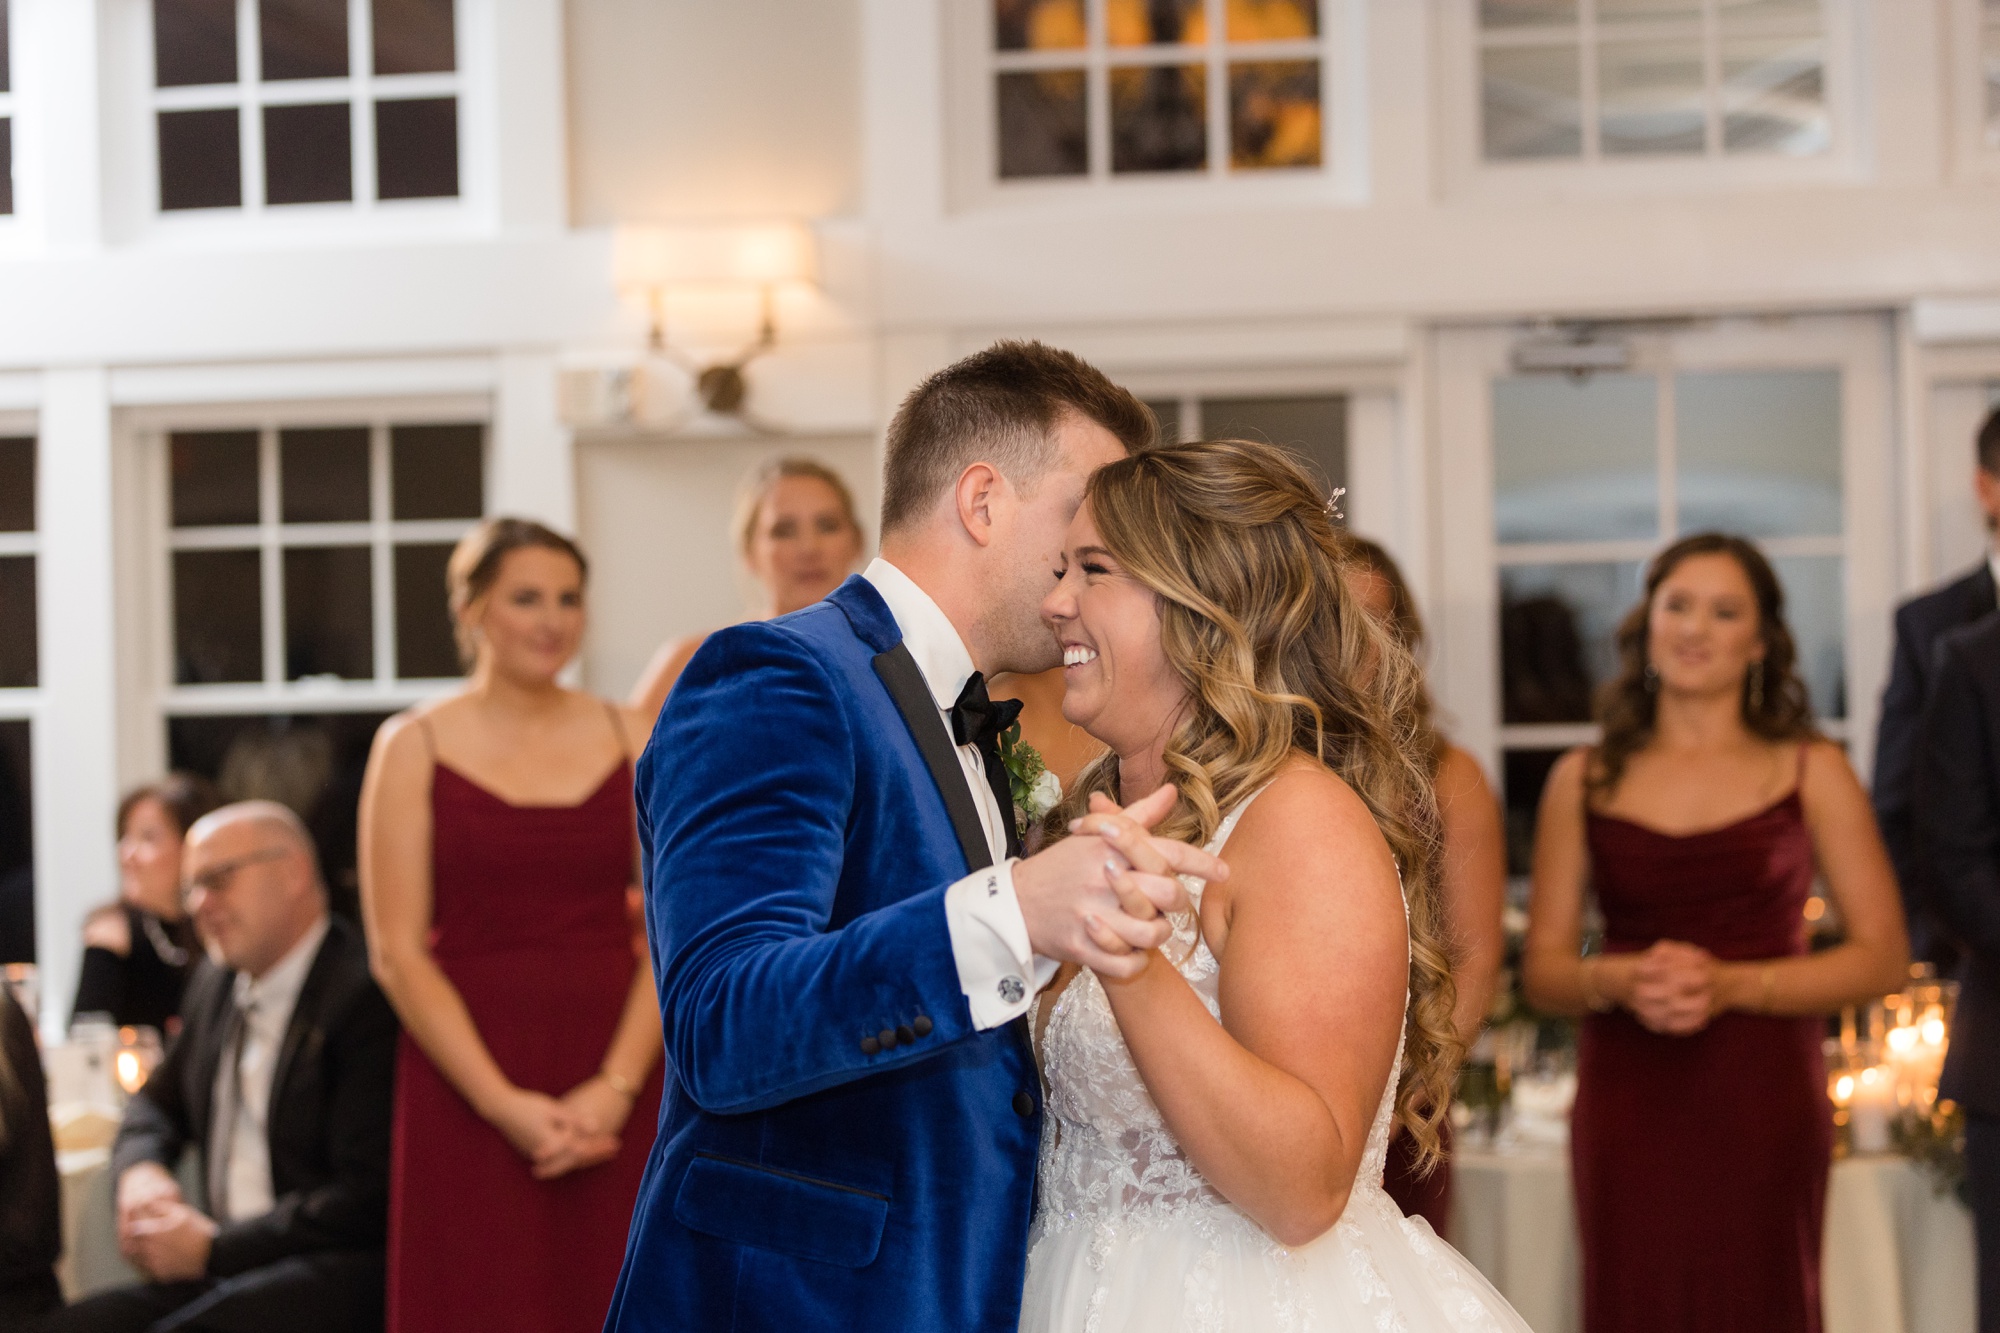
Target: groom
{"points": [[845, 942]]}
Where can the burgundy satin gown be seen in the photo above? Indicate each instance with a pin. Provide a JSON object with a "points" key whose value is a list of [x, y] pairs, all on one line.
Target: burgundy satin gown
{"points": [[530, 924], [1701, 1162]]}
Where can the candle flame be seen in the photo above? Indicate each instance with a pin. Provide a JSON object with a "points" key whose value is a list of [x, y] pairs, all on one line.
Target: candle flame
{"points": [[1902, 1039], [1843, 1088], [1934, 1031], [131, 1076]]}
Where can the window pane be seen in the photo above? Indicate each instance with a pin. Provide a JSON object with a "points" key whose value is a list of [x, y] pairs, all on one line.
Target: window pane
{"points": [[1574, 461], [1529, 102], [437, 471], [308, 154], [201, 163], [1556, 628], [17, 845], [303, 39], [424, 646], [1041, 122], [416, 148], [1523, 774], [218, 617], [310, 763], [1814, 610], [6, 62], [214, 477], [1272, 20], [19, 646], [6, 165], [1774, 96], [17, 484], [1650, 97], [329, 612], [1759, 451], [1312, 430], [1525, 13], [1038, 25], [1159, 118], [194, 41], [414, 37], [1274, 114], [1155, 22], [1167, 417], [324, 474], [1648, 11]]}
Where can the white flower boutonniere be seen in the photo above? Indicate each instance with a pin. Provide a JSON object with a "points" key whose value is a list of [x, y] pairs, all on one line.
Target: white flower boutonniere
{"points": [[1035, 790]]}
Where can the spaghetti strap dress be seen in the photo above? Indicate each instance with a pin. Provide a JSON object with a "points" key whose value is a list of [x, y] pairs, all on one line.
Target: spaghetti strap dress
{"points": [[529, 922], [1700, 1162]]}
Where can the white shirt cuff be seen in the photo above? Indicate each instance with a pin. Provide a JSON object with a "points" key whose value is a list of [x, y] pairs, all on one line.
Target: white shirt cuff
{"points": [[998, 971]]}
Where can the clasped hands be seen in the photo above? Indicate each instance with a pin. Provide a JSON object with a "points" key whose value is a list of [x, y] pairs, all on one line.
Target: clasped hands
{"points": [[1100, 898], [562, 1134], [1676, 989], [159, 1232]]}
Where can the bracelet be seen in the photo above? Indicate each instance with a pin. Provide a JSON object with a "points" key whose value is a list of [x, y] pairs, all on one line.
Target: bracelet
{"points": [[623, 1086], [1593, 998], [1769, 974]]}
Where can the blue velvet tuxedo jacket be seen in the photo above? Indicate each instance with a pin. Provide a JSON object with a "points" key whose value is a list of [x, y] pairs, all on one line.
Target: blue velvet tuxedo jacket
{"points": [[838, 1146]]}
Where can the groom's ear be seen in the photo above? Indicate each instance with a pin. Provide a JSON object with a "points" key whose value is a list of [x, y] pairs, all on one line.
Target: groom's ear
{"points": [[977, 496]]}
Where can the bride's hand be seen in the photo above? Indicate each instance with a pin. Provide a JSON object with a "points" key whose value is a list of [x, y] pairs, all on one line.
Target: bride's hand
{"points": [[1150, 882]]}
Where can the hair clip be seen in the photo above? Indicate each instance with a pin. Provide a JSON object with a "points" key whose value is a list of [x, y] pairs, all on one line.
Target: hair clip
{"points": [[1333, 505]]}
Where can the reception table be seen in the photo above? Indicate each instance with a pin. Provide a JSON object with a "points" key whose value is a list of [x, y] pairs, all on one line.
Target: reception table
{"points": [[1897, 1257]]}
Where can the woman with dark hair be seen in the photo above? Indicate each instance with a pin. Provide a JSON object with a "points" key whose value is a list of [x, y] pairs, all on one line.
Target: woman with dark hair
{"points": [[30, 1198], [138, 951], [1472, 869], [1702, 1135], [497, 845]]}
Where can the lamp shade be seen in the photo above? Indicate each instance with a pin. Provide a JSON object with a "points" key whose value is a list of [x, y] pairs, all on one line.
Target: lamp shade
{"points": [[718, 255]]}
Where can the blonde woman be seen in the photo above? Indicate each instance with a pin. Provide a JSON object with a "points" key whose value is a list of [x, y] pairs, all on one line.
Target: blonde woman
{"points": [[1222, 1119], [497, 846], [799, 536]]}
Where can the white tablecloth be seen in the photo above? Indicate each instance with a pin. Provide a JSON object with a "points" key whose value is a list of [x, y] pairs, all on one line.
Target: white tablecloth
{"points": [[90, 1259], [1896, 1258]]}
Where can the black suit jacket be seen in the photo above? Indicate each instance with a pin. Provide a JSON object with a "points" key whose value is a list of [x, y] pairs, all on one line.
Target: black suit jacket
{"points": [[1920, 623], [331, 1104], [1957, 804]]}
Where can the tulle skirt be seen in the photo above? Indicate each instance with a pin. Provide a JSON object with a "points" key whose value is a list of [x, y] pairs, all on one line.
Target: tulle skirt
{"points": [[1207, 1268]]}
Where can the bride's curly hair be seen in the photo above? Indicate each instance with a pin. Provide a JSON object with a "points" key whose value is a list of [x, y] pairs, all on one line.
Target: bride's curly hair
{"points": [[1280, 657]]}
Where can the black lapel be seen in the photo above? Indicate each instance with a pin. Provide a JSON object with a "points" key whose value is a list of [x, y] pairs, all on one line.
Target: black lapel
{"points": [[1985, 597], [304, 1030], [905, 683], [206, 1057]]}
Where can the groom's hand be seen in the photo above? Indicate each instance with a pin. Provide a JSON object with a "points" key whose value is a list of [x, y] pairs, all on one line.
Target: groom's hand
{"points": [[1085, 901]]}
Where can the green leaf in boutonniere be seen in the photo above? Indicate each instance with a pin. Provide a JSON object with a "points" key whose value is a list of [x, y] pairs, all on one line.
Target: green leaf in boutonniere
{"points": [[1035, 790]]}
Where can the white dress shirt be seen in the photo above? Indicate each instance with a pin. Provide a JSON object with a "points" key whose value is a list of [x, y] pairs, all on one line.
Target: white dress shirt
{"points": [[998, 969], [246, 1156]]}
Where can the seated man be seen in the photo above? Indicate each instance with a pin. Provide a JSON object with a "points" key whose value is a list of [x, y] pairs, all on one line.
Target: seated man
{"points": [[280, 1079]]}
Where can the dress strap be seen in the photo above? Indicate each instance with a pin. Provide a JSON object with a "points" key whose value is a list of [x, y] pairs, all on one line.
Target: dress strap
{"points": [[617, 729], [1799, 783], [430, 738]]}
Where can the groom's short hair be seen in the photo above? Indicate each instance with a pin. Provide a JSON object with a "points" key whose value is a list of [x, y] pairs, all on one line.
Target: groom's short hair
{"points": [[998, 406]]}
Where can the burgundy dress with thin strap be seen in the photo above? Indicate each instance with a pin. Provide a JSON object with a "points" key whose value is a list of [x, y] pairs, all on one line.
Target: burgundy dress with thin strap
{"points": [[529, 922], [1701, 1161]]}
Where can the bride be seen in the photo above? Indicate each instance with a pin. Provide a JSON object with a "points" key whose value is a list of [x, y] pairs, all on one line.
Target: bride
{"points": [[1218, 1124]]}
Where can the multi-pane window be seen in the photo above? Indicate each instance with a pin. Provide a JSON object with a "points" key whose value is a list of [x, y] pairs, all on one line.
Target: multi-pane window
{"points": [[6, 112], [1312, 428], [19, 671], [271, 102], [1100, 88], [313, 555], [1597, 80], [1594, 475]]}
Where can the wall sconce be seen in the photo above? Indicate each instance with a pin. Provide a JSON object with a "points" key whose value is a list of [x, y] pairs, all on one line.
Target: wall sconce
{"points": [[652, 263]]}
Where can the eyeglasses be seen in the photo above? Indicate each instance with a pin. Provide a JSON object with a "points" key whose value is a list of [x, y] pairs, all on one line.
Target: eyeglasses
{"points": [[216, 878]]}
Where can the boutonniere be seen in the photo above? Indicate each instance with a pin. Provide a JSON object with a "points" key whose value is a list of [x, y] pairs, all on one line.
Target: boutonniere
{"points": [[1035, 790]]}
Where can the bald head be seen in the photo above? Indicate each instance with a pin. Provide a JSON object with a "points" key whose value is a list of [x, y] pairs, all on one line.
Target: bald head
{"points": [[253, 883]]}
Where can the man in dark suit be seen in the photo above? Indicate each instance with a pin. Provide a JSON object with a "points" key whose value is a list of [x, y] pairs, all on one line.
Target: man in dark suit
{"points": [[1956, 784], [1920, 623], [281, 1081]]}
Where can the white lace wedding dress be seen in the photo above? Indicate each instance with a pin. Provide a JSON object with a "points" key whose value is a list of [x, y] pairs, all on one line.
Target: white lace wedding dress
{"points": [[1128, 1237]]}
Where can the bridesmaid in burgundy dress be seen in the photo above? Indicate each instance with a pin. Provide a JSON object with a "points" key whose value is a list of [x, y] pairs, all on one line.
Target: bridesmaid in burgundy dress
{"points": [[497, 846], [1702, 1134]]}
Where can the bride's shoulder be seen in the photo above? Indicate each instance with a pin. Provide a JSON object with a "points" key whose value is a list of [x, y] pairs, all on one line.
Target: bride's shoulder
{"points": [[1307, 819]]}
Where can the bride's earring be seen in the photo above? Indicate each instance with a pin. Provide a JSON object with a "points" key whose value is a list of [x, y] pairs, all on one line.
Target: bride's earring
{"points": [[1652, 679], [1757, 686]]}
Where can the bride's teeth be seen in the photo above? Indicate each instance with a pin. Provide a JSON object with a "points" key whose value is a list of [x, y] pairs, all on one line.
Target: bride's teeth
{"points": [[1077, 656]]}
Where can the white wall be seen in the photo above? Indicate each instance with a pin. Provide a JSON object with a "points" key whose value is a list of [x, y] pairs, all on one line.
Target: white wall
{"points": [[654, 517]]}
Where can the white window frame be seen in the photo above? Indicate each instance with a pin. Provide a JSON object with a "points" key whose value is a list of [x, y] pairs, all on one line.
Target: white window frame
{"points": [[1470, 359], [385, 691], [1977, 143], [132, 168], [973, 143], [1469, 172], [18, 703], [9, 114]]}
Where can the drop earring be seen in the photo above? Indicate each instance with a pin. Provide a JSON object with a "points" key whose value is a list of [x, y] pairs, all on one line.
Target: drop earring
{"points": [[1652, 679]]}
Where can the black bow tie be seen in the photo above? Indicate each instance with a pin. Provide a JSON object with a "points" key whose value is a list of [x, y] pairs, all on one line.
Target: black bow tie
{"points": [[977, 719]]}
